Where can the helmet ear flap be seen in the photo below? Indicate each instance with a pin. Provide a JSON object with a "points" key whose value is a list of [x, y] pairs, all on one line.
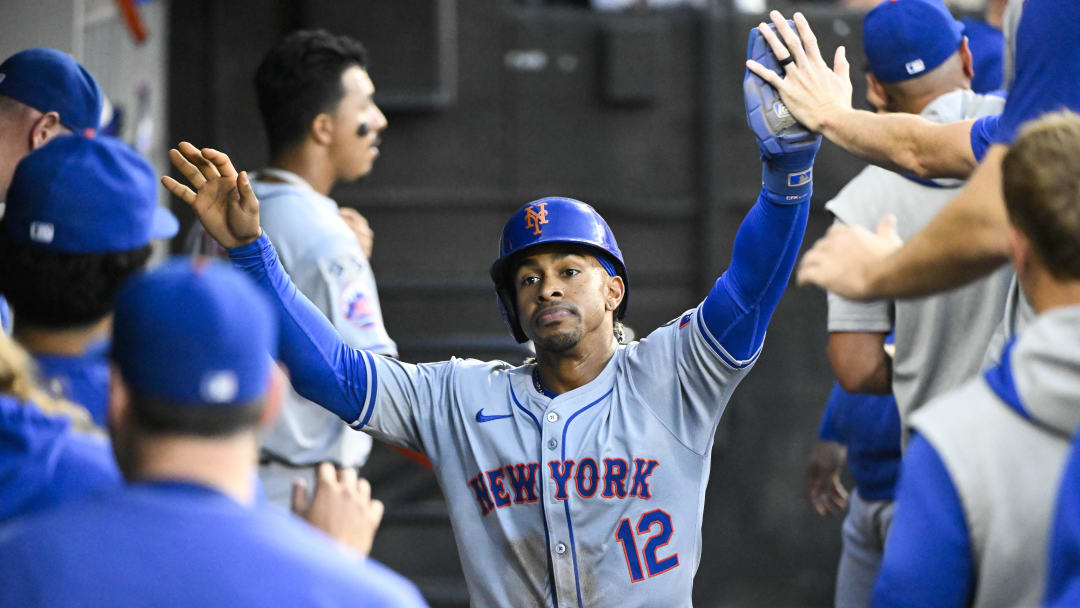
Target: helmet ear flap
{"points": [[509, 313]]}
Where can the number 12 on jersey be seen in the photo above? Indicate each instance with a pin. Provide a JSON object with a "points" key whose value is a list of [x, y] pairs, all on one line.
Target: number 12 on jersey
{"points": [[625, 535]]}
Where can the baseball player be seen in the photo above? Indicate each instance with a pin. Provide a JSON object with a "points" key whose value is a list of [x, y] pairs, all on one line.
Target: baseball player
{"points": [[577, 480], [49, 451], [919, 63], [81, 213], [979, 481], [191, 385], [315, 97], [68, 200], [44, 93]]}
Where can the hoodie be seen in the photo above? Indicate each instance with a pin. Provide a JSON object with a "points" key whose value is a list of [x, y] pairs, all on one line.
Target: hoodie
{"points": [[44, 462], [979, 484]]}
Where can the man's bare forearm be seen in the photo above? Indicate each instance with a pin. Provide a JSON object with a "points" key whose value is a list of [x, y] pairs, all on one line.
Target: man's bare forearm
{"points": [[966, 241], [859, 362], [907, 143]]}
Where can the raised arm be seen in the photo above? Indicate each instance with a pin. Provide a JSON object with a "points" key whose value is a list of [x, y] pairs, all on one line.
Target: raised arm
{"points": [[738, 308], [322, 367], [820, 98]]}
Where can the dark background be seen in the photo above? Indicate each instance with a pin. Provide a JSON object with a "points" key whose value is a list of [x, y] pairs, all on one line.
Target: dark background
{"points": [[492, 104]]}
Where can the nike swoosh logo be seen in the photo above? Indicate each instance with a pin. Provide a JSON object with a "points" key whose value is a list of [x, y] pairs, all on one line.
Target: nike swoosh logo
{"points": [[480, 417]]}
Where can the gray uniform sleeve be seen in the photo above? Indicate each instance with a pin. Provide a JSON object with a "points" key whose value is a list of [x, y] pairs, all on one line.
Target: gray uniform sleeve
{"points": [[407, 403], [861, 203], [685, 378]]}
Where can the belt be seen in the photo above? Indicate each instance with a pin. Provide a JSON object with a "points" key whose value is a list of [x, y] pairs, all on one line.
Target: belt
{"points": [[267, 458]]}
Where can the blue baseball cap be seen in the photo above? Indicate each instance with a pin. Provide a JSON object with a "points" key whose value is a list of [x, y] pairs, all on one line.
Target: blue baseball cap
{"points": [[51, 81], [86, 195], [195, 331], [905, 39]]}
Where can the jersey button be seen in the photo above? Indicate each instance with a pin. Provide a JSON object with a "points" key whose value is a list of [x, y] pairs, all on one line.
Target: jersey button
{"points": [[552, 417], [560, 548], [552, 444]]}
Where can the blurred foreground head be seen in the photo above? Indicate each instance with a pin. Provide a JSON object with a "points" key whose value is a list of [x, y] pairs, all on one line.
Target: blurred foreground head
{"points": [[193, 348]]}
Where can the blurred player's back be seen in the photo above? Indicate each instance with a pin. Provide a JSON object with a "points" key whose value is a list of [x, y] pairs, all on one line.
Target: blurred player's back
{"points": [[181, 544]]}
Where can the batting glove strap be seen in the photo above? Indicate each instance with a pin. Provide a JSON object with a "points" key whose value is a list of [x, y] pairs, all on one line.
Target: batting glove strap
{"points": [[790, 177]]}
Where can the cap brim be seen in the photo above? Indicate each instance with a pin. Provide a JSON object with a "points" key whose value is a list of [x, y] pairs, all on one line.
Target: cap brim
{"points": [[165, 224]]}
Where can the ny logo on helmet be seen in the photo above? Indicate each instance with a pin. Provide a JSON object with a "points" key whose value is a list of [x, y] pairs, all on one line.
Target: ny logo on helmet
{"points": [[536, 216]]}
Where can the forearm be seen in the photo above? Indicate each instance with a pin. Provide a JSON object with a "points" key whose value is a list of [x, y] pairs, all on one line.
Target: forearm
{"points": [[739, 306], [859, 362], [322, 367], [967, 240], [906, 143]]}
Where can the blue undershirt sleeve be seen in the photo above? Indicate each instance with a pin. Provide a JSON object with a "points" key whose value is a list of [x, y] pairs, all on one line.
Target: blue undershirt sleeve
{"points": [[928, 556], [741, 303], [982, 135], [322, 368]]}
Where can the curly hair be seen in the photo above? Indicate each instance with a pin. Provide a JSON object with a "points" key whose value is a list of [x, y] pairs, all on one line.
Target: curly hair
{"points": [[57, 290]]}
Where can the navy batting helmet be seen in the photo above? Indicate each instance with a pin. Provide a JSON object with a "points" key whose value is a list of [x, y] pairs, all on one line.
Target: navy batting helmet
{"points": [[552, 220]]}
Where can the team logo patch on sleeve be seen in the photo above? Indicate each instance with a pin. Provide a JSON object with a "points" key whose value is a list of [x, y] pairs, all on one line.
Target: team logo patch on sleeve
{"points": [[685, 320], [356, 307]]}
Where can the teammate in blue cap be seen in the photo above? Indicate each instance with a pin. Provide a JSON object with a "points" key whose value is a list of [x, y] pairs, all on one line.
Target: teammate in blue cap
{"points": [[919, 64], [47, 458], [191, 384], [81, 213], [43, 94], [577, 480]]}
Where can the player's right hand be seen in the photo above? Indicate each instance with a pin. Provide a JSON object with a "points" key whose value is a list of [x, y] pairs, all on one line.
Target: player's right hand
{"points": [[827, 495], [814, 94], [222, 200], [342, 507]]}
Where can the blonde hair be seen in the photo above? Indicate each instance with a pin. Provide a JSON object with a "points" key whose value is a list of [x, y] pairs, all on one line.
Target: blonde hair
{"points": [[18, 378], [1041, 183]]}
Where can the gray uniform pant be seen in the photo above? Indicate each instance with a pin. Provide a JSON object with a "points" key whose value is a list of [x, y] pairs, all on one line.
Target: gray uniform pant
{"points": [[865, 528]]}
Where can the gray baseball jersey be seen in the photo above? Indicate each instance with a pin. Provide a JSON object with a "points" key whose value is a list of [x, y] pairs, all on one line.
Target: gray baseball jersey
{"points": [[606, 482], [940, 340]]}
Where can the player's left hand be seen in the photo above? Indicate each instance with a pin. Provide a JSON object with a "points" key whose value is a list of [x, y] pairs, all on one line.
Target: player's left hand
{"points": [[813, 93], [359, 226], [846, 259], [827, 495], [342, 507]]}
